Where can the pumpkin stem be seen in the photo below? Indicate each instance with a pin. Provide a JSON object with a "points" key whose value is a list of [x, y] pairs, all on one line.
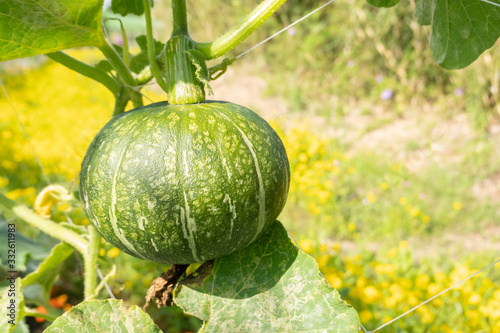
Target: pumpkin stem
{"points": [[184, 68]]}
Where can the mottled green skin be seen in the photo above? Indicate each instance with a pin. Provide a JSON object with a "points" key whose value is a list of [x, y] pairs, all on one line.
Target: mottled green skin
{"points": [[184, 183]]}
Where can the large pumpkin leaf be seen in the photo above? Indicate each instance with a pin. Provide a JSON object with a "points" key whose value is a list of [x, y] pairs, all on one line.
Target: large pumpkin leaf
{"points": [[461, 29], [124, 7], [383, 3], [37, 285], [12, 305], [107, 316], [31, 27], [270, 286], [423, 11]]}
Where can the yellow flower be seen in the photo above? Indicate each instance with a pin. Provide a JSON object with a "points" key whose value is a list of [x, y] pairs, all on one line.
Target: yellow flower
{"points": [[403, 244], [397, 292], [474, 299], [412, 299], [371, 197], [306, 245], [323, 248], [334, 280], [370, 295], [426, 219], [102, 252], [457, 205], [314, 208], [441, 277], [113, 253], [390, 302], [422, 281], [329, 184], [433, 289], [336, 246], [365, 316], [403, 201], [303, 157], [396, 167], [384, 186], [351, 226], [4, 182], [415, 212], [351, 170]]}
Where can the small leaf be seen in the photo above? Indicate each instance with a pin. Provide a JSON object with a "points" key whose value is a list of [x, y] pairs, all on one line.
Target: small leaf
{"points": [[141, 60], [424, 10], [124, 7], [462, 30], [270, 286], [46, 273], [110, 316], [12, 305], [383, 3], [32, 27], [198, 60]]}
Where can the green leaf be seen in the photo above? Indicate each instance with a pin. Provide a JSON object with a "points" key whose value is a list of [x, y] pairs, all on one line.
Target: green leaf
{"points": [[27, 249], [124, 7], [12, 305], [141, 60], [109, 316], [270, 286], [383, 3], [31, 27], [39, 283], [424, 10], [462, 30]]}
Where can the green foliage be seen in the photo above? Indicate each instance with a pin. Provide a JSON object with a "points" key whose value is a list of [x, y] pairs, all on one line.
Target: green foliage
{"points": [[139, 61], [125, 7], [383, 3], [462, 30], [38, 284], [110, 315], [261, 288], [28, 28]]}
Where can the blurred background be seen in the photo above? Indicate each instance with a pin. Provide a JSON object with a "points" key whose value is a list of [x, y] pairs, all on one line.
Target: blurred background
{"points": [[395, 166]]}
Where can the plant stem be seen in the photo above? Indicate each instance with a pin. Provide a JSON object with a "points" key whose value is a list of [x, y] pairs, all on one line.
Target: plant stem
{"points": [[86, 70], [236, 35], [121, 101], [90, 278], [122, 70], [179, 17], [49, 227], [155, 70]]}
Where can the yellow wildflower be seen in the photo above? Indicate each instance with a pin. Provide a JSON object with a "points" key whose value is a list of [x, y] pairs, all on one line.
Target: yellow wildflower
{"points": [[384, 186], [113, 253], [457, 205], [306, 245], [403, 201], [351, 226]]}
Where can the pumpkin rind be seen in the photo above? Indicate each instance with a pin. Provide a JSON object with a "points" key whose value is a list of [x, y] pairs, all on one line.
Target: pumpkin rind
{"points": [[184, 183]]}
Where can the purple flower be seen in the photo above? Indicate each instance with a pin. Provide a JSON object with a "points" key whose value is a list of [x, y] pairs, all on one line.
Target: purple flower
{"points": [[379, 78], [386, 94], [459, 92], [292, 31]]}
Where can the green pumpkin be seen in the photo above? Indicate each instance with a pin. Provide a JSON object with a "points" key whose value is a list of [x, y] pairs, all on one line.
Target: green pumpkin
{"points": [[180, 184]]}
